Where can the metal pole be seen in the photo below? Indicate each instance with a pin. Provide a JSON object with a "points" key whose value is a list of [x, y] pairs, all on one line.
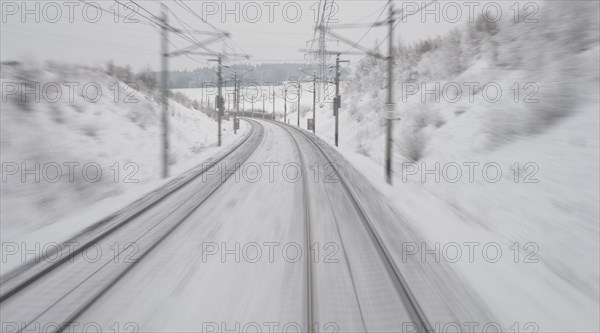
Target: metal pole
{"points": [[165, 100], [390, 100], [273, 105], [336, 106], [299, 90], [220, 99], [314, 102], [285, 107], [238, 97], [235, 102]]}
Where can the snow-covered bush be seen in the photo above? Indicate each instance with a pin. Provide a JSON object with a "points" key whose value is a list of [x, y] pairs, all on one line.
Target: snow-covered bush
{"points": [[99, 133], [546, 59]]}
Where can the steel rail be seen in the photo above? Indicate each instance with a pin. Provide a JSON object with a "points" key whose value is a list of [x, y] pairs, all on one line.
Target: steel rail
{"points": [[142, 206], [378, 241], [307, 239], [40, 265]]}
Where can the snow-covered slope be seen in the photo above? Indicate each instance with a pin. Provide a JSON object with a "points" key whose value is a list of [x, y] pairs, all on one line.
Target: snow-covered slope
{"points": [[87, 156], [543, 211]]}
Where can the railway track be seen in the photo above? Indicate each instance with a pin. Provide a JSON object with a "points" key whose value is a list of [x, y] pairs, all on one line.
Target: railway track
{"points": [[50, 292], [307, 240], [416, 313]]}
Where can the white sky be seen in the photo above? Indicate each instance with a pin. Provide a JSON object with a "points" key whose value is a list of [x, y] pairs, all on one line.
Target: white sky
{"points": [[138, 44]]}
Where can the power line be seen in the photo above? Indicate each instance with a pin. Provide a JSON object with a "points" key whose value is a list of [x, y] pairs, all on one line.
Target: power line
{"points": [[316, 28], [319, 27], [371, 27], [116, 14], [192, 39], [190, 30], [238, 46], [140, 14], [183, 24], [322, 44], [147, 11], [352, 25], [404, 16], [190, 10], [373, 13], [330, 12], [398, 21], [195, 42], [185, 54]]}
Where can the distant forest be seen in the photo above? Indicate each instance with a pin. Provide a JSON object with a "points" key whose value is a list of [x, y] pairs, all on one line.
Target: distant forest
{"points": [[267, 72]]}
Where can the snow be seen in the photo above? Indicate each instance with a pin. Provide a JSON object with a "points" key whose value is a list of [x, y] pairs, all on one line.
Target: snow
{"points": [[552, 209], [179, 287], [560, 291], [548, 216], [544, 210], [121, 139], [548, 212]]}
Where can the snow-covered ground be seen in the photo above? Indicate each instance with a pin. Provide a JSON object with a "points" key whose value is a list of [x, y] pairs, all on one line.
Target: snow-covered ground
{"points": [[505, 192], [542, 212], [86, 158]]}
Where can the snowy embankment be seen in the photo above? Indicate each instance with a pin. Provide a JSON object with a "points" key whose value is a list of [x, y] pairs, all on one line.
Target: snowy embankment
{"points": [[69, 159], [534, 229]]}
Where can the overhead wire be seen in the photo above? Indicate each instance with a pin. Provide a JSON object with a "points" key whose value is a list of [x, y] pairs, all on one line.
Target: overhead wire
{"points": [[144, 9], [159, 23], [191, 38], [151, 22], [398, 21], [155, 21], [404, 16], [371, 27], [185, 54], [307, 56], [190, 10]]}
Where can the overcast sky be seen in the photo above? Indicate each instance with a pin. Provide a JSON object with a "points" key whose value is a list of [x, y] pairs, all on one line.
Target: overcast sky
{"points": [[275, 36]]}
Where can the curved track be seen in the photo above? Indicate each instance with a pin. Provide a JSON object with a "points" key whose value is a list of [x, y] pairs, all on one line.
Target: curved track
{"points": [[51, 291], [310, 322], [402, 291], [346, 280]]}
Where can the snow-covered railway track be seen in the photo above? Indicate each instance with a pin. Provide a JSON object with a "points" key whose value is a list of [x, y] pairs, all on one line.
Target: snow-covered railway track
{"points": [[413, 314], [310, 322], [50, 292]]}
